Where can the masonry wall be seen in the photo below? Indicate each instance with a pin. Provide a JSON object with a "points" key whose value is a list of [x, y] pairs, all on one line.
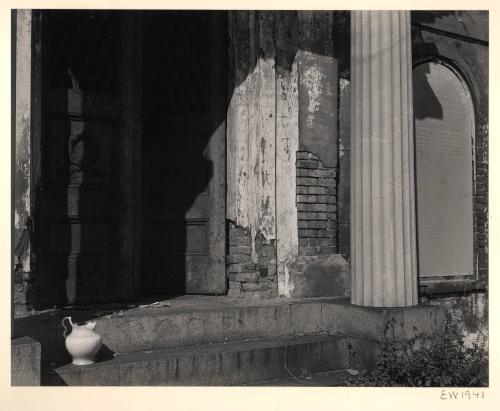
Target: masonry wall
{"points": [[318, 270], [282, 155], [316, 205], [443, 36], [318, 135], [247, 278]]}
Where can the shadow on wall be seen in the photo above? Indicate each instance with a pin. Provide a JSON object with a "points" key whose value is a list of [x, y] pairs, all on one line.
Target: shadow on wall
{"points": [[425, 102], [180, 116], [176, 169]]}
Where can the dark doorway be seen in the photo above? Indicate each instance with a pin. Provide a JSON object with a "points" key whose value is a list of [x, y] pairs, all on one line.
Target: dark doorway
{"points": [[93, 218], [77, 246], [184, 98]]}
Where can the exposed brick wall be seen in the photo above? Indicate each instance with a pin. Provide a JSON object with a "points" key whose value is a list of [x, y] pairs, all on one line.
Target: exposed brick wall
{"points": [[316, 206], [481, 204], [249, 279]]}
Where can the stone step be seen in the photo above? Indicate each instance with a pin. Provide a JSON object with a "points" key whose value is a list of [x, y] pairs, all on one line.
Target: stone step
{"points": [[235, 363], [205, 320], [25, 362], [337, 378]]}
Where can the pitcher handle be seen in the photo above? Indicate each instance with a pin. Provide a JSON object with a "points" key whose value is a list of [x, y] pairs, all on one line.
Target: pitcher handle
{"points": [[65, 328]]}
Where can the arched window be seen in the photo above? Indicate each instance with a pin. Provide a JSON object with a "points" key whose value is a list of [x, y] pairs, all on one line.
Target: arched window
{"points": [[444, 133]]}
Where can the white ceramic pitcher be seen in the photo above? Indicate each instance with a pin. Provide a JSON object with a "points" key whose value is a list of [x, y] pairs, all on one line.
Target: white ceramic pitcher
{"points": [[82, 343]]}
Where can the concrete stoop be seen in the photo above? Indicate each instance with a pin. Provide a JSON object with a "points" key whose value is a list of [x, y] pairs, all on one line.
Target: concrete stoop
{"points": [[222, 341], [25, 362], [235, 363], [337, 378]]}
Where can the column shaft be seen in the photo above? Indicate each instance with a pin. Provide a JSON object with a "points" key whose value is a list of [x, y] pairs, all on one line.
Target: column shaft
{"points": [[383, 245]]}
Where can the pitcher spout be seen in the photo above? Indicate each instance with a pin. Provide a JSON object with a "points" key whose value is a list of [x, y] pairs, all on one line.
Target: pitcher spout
{"points": [[90, 325]]}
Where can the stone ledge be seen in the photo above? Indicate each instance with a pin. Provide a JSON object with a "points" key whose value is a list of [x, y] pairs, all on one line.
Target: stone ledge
{"points": [[25, 360], [192, 321]]}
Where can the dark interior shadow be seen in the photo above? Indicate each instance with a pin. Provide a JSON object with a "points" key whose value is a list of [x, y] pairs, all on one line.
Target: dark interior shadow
{"points": [[76, 203], [179, 118], [178, 123], [342, 43]]}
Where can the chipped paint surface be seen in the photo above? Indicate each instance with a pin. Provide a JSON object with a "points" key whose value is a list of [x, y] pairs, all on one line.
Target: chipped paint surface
{"points": [[341, 149], [317, 70], [344, 84], [312, 78], [287, 143], [251, 134], [289, 88], [344, 94], [22, 199], [251, 173], [17, 219], [262, 138]]}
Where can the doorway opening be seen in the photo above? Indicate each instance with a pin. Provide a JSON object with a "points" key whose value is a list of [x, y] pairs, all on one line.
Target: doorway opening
{"points": [[183, 152], [115, 223]]}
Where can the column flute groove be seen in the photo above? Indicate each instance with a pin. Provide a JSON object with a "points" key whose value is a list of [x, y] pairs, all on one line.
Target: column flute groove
{"points": [[383, 244]]}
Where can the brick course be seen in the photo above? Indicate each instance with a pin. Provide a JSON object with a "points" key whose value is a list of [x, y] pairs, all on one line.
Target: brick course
{"points": [[247, 278], [480, 199], [316, 205]]}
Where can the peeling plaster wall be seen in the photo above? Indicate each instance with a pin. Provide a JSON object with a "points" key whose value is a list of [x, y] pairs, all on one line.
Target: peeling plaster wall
{"points": [[23, 166], [283, 79], [343, 185], [317, 270], [251, 133], [317, 67], [287, 145], [23, 134], [262, 135]]}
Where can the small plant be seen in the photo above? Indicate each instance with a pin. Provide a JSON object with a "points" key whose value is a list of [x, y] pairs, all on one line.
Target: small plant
{"points": [[440, 361]]}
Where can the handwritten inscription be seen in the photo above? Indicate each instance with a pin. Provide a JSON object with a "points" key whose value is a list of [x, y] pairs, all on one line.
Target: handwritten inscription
{"points": [[462, 395]]}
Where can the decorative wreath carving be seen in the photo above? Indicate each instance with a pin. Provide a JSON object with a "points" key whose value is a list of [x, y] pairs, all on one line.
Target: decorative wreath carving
{"points": [[83, 150]]}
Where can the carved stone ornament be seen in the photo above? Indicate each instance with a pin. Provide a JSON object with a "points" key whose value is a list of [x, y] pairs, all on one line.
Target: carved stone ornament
{"points": [[83, 150]]}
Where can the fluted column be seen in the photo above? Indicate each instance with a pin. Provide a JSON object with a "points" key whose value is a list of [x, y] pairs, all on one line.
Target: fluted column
{"points": [[383, 243]]}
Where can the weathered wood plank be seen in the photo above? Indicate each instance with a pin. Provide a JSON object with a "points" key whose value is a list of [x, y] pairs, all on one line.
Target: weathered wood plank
{"points": [[287, 136], [251, 124]]}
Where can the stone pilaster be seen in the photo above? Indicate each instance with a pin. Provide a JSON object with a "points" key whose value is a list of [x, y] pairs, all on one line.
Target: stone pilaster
{"points": [[383, 241]]}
